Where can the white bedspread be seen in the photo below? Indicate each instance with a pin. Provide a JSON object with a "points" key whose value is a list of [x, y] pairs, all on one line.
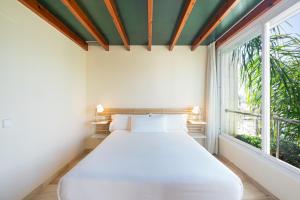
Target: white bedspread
{"points": [[150, 166]]}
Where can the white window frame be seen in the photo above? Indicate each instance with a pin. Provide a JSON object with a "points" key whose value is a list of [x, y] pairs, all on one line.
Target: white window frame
{"points": [[266, 77], [262, 26]]}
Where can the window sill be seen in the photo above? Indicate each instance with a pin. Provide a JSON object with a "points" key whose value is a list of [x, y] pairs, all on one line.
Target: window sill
{"points": [[277, 162]]}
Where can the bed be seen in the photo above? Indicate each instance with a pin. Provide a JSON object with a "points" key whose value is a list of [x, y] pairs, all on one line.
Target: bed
{"points": [[150, 166]]}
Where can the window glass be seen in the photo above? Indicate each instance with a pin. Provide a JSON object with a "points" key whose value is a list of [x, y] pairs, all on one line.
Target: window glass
{"points": [[285, 90], [241, 91]]}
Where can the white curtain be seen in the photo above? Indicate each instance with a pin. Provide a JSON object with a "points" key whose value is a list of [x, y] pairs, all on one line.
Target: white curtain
{"points": [[212, 101], [228, 91]]}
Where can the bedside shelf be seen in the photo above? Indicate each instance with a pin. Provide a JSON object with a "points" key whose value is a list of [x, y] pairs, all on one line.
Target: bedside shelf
{"points": [[105, 122], [99, 136], [196, 122], [197, 135]]}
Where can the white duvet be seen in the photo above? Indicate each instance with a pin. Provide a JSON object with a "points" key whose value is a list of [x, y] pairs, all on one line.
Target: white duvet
{"points": [[150, 166]]}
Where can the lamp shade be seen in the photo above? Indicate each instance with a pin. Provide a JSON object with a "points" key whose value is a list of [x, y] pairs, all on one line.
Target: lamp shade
{"points": [[100, 108], [196, 110]]}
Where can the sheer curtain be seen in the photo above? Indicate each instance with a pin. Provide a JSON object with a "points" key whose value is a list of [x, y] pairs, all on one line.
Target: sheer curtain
{"points": [[212, 101], [228, 91]]}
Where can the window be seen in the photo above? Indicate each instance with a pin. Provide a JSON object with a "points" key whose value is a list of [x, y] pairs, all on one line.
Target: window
{"points": [[285, 90], [241, 75], [260, 87]]}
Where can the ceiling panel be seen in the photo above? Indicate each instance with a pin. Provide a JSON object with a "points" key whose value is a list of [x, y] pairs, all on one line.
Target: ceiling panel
{"points": [[99, 15], [62, 13], [166, 15], [201, 13], [235, 15], [133, 14]]}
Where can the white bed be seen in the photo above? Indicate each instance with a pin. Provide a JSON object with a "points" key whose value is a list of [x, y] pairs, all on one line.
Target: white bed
{"points": [[150, 166]]}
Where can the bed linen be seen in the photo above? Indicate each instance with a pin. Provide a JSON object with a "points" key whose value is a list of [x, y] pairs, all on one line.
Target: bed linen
{"points": [[150, 166]]}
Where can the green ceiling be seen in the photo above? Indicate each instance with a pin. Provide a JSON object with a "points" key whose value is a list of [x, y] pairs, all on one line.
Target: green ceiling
{"points": [[133, 13]]}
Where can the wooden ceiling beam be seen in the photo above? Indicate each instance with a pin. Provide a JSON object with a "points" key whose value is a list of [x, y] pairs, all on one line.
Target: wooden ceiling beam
{"points": [[85, 21], [41, 11], [184, 17], [223, 11], [111, 7], [261, 9], [150, 19]]}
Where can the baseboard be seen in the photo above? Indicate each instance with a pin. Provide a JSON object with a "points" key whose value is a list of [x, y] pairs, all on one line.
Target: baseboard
{"points": [[262, 188], [42, 186]]}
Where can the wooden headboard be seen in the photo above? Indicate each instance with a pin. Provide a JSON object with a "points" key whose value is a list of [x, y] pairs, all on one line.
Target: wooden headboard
{"points": [[193, 128], [140, 111]]}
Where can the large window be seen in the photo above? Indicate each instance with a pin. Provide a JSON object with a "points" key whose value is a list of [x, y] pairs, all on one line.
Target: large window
{"points": [[242, 76], [245, 73], [285, 90]]}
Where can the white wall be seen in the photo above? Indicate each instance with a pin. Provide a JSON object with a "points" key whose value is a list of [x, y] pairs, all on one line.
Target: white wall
{"points": [[140, 78], [43, 92], [281, 182]]}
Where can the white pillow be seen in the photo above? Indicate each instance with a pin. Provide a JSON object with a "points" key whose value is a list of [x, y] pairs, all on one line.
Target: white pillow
{"points": [[148, 123], [119, 122], [176, 122]]}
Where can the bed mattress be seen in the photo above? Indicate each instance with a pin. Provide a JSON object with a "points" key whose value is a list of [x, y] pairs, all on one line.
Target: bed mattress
{"points": [[150, 166]]}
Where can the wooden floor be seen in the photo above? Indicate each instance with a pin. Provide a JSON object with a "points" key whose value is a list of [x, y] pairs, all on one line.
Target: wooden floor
{"points": [[252, 191]]}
